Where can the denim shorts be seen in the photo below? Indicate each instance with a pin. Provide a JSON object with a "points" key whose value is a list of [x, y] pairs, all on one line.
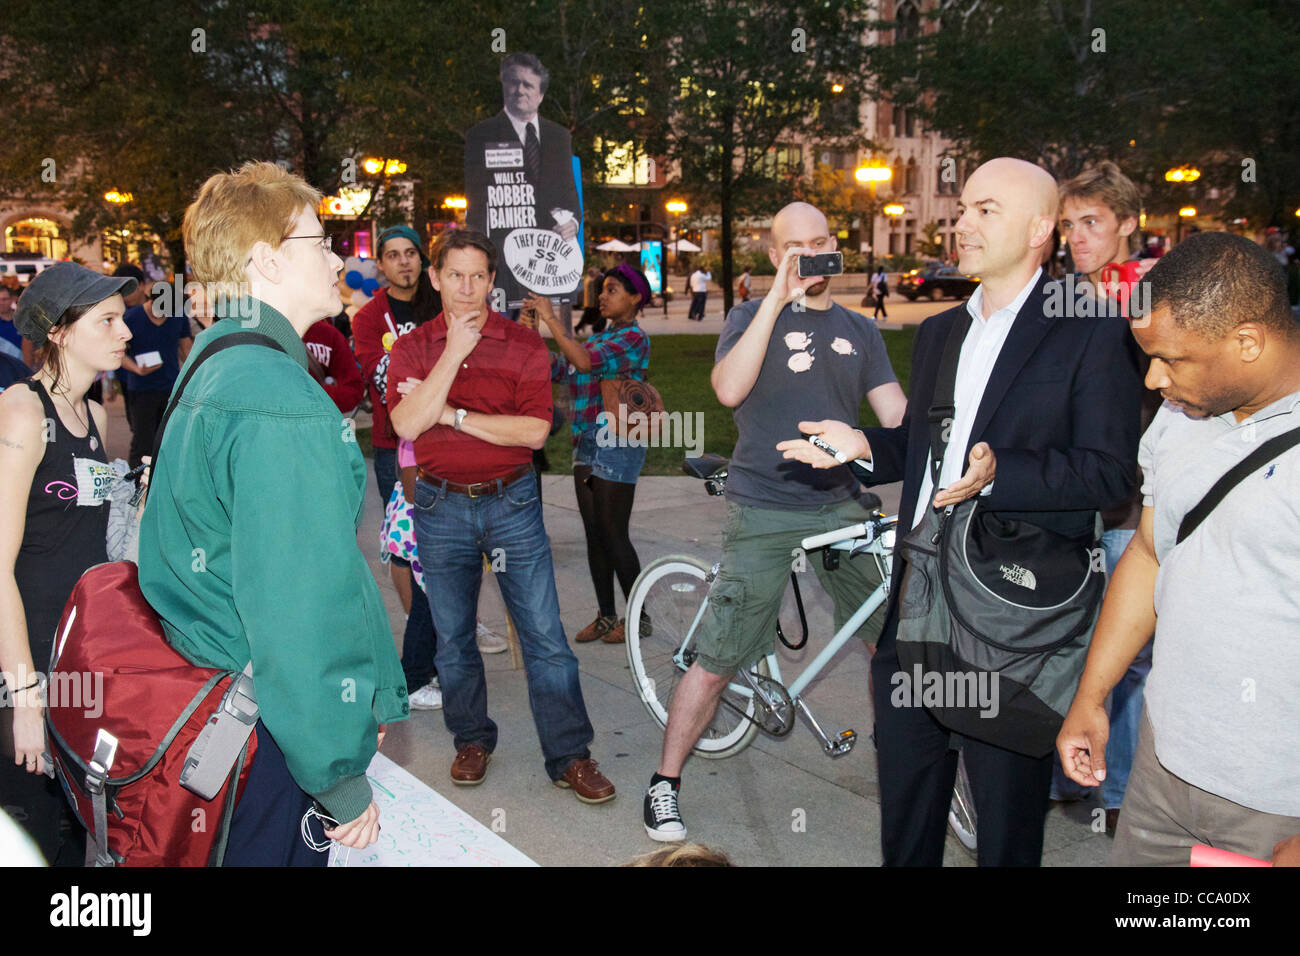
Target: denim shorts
{"points": [[610, 461]]}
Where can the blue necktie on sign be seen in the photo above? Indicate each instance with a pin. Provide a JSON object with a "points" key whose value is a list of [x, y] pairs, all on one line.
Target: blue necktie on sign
{"points": [[532, 155]]}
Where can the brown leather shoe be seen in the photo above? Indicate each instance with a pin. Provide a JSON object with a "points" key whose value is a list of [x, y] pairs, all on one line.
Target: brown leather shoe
{"points": [[616, 634], [588, 783], [470, 766], [596, 630]]}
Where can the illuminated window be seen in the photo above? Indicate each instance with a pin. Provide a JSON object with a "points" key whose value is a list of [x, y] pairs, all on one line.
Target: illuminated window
{"points": [[623, 164]]}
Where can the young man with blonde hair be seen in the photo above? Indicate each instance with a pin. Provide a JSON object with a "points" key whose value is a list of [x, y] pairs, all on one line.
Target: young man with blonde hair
{"points": [[1099, 219], [248, 541]]}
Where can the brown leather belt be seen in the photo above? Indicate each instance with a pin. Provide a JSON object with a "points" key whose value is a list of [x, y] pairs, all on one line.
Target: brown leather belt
{"points": [[479, 488]]}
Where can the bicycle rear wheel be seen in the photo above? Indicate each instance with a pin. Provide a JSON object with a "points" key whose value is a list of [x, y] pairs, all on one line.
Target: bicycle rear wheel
{"points": [[662, 607]]}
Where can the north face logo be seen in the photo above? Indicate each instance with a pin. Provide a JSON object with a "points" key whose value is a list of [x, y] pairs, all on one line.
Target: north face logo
{"points": [[1018, 575]]}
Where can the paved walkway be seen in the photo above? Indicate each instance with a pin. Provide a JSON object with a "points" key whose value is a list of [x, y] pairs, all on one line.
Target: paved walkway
{"points": [[780, 802]]}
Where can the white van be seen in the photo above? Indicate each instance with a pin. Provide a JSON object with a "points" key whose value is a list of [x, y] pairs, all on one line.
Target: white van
{"points": [[25, 267]]}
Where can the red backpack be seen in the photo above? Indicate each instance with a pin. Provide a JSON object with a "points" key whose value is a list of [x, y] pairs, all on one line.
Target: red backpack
{"points": [[126, 709], [129, 719]]}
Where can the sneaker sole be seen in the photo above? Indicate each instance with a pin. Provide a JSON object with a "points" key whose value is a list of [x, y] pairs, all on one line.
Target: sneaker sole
{"points": [[422, 707], [493, 649], [660, 837], [563, 785]]}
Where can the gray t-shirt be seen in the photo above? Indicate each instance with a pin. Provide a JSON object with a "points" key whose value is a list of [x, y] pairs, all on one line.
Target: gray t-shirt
{"points": [[819, 364], [1224, 691]]}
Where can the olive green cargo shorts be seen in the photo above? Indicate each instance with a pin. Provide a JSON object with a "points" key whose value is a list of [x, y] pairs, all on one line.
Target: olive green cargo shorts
{"points": [[760, 547]]}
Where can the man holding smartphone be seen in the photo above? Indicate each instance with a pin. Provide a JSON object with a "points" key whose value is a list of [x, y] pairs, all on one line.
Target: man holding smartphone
{"points": [[792, 354]]}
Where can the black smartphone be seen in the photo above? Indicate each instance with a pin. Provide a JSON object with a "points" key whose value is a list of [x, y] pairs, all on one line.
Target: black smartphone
{"points": [[825, 264]]}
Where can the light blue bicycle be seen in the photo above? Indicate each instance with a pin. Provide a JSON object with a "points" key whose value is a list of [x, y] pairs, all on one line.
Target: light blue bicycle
{"points": [[667, 603]]}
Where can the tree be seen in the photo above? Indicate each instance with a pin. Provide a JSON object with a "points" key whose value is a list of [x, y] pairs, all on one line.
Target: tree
{"points": [[1065, 84], [745, 86]]}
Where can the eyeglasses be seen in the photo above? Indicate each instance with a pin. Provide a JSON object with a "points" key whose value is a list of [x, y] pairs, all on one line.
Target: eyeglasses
{"points": [[326, 242]]}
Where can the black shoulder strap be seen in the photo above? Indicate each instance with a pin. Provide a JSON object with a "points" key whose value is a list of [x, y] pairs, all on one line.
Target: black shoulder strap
{"points": [[220, 345], [1239, 472], [944, 405]]}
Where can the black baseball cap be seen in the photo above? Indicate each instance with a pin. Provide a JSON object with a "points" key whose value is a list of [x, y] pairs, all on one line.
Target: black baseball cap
{"points": [[59, 288]]}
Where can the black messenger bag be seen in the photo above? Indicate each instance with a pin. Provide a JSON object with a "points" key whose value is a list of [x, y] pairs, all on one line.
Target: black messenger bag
{"points": [[995, 613]]}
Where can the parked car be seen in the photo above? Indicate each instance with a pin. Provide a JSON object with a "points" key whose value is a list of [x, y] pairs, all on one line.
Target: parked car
{"points": [[937, 282], [25, 267]]}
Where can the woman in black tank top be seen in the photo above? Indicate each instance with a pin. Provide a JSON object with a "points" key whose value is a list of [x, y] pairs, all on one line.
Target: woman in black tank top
{"points": [[53, 520]]}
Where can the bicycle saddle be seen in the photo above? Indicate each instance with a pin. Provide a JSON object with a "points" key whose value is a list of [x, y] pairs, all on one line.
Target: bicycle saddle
{"points": [[705, 466]]}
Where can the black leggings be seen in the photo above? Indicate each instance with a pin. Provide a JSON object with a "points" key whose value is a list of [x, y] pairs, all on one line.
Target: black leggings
{"points": [[606, 508]]}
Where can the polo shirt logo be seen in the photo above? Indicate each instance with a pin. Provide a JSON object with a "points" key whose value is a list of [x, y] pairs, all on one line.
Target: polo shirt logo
{"points": [[1269, 474]]}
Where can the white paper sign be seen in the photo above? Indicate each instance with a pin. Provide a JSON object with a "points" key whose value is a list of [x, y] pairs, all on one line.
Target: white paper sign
{"points": [[542, 261], [148, 359], [420, 827]]}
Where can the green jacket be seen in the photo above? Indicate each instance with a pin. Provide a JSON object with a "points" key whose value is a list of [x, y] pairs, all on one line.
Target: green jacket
{"points": [[248, 548]]}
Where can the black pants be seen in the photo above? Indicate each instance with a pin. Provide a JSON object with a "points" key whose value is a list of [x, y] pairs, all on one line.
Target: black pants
{"points": [[37, 804], [264, 830], [918, 767], [697, 305], [146, 415]]}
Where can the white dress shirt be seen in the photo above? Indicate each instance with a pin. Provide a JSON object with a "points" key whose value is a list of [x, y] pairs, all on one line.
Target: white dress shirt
{"points": [[979, 352], [521, 127]]}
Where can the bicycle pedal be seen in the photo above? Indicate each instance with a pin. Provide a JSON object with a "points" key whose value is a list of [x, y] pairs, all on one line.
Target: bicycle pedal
{"points": [[841, 744]]}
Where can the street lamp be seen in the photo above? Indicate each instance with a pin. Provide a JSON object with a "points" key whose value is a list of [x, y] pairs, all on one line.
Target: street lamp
{"points": [[372, 165], [676, 207], [1182, 174], [117, 197], [872, 173], [1187, 212]]}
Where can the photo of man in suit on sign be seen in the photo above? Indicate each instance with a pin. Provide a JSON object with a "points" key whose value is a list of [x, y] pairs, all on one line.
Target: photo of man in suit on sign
{"points": [[519, 180]]}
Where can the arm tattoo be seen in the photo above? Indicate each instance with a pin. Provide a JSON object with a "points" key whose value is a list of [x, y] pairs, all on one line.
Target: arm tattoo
{"points": [[11, 444]]}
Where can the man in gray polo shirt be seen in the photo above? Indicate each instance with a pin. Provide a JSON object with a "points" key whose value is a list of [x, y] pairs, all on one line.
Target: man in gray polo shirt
{"points": [[1218, 758], [795, 356]]}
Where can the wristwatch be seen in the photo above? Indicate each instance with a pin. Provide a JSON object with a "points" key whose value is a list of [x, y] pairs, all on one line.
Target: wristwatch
{"points": [[460, 417]]}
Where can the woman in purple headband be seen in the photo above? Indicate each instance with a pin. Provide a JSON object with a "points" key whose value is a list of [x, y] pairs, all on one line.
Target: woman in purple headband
{"points": [[605, 464]]}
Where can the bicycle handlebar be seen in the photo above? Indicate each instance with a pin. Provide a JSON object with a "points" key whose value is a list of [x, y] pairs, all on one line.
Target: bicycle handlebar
{"points": [[868, 530]]}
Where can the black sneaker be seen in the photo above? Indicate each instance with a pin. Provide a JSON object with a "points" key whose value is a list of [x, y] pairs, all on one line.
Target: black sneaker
{"points": [[662, 821]]}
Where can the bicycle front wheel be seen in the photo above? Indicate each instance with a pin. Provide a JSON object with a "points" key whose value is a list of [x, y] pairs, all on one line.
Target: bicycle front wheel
{"points": [[663, 608]]}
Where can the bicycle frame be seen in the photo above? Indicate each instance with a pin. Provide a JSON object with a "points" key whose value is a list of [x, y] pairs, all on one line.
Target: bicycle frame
{"points": [[868, 607]]}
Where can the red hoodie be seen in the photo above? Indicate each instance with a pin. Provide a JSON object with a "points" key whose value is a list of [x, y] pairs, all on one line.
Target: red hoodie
{"points": [[372, 322]]}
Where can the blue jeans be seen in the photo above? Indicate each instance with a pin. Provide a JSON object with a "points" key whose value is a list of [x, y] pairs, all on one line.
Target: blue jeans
{"points": [[419, 641], [507, 527], [385, 473], [1125, 699], [1125, 707]]}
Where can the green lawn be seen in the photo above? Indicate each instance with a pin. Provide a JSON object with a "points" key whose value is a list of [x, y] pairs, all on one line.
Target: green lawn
{"points": [[679, 368]]}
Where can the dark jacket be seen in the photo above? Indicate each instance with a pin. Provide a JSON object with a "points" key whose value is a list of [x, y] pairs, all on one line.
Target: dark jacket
{"points": [[1061, 413]]}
